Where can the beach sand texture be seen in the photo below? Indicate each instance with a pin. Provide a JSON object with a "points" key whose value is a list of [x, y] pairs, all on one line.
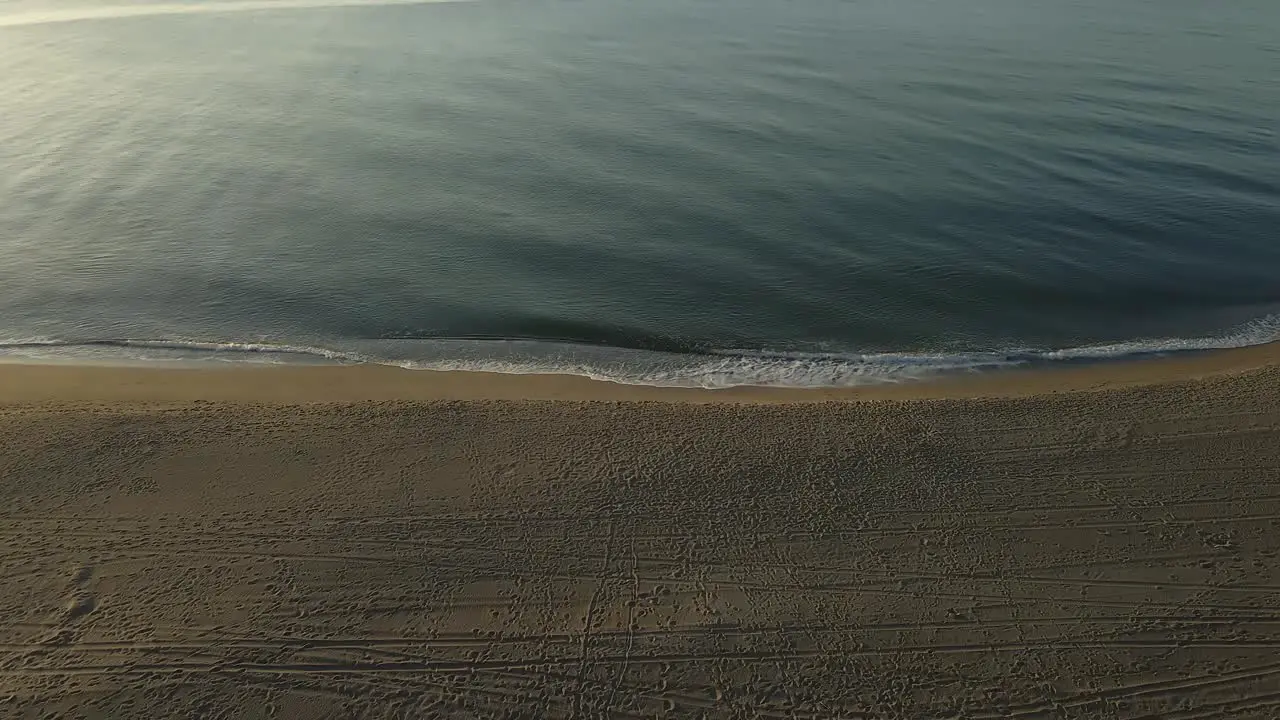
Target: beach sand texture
{"points": [[1093, 554]]}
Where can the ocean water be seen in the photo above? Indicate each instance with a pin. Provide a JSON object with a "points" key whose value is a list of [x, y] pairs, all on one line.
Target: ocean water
{"points": [[681, 192]]}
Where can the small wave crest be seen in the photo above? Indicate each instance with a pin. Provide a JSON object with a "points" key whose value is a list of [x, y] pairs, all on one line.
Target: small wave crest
{"points": [[713, 369], [126, 351]]}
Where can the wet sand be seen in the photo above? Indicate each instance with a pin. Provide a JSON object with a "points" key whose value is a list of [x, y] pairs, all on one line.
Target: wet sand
{"points": [[1094, 542]]}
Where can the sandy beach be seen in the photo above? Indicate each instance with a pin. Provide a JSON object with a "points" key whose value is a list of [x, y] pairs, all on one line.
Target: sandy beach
{"points": [[334, 542]]}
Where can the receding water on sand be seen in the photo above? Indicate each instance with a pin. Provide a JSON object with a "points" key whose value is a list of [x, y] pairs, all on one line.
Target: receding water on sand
{"points": [[710, 368]]}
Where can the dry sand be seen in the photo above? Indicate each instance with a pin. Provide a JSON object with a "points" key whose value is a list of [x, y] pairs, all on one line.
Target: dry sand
{"points": [[291, 543]]}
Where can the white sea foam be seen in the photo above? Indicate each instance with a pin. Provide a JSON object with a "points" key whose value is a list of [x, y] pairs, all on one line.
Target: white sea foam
{"points": [[1254, 332], [718, 369]]}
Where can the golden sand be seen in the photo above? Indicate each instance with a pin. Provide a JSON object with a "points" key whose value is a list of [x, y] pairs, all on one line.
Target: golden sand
{"points": [[316, 542]]}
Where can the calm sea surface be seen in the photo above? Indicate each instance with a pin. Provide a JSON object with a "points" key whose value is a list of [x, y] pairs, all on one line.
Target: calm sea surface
{"points": [[704, 192]]}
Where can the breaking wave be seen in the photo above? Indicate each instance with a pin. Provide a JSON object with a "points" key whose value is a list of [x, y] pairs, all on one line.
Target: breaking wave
{"points": [[708, 369]]}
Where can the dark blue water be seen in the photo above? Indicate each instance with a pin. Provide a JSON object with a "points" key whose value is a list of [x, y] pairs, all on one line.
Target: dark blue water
{"points": [[670, 191]]}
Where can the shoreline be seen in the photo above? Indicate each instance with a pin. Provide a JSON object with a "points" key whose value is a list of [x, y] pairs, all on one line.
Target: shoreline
{"points": [[37, 383]]}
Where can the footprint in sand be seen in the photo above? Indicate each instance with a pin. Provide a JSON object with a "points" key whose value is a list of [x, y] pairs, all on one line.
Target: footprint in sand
{"points": [[81, 602]]}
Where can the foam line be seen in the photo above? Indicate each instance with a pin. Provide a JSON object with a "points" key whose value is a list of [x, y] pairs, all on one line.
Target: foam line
{"points": [[717, 369]]}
